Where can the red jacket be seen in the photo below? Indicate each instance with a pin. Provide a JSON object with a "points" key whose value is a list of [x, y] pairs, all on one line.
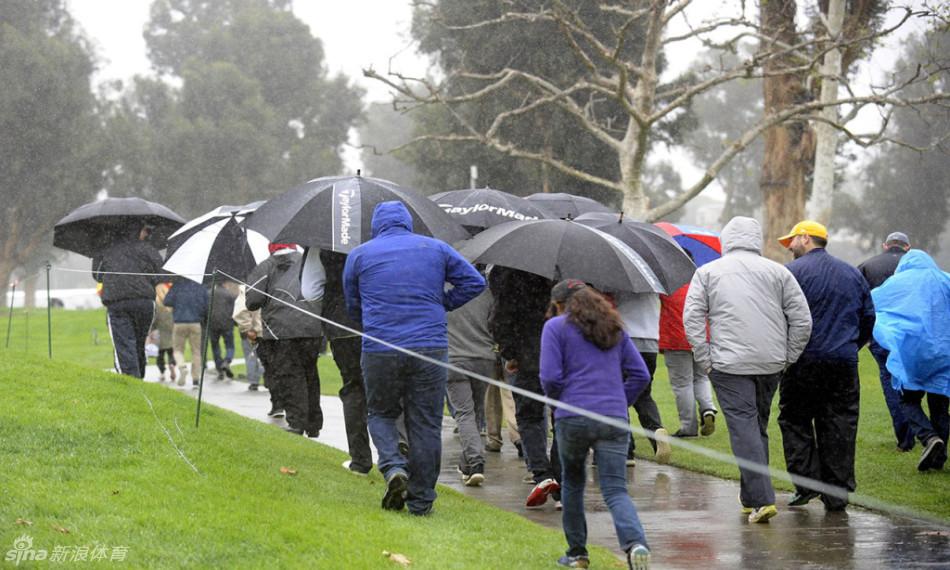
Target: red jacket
{"points": [[672, 334]]}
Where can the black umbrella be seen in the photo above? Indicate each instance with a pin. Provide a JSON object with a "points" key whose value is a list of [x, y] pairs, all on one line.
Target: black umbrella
{"points": [[480, 208], [336, 213], [216, 240], [562, 205], [558, 249], [664, 256], [93, 227]]}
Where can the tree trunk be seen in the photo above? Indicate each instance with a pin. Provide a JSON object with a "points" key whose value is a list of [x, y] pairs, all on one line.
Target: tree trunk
{"points": [[29, 291], [822, 191], [6, 274], [789, 147]]}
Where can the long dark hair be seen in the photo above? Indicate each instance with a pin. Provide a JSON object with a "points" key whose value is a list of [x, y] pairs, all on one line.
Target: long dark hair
{"points": [[599, 322]]}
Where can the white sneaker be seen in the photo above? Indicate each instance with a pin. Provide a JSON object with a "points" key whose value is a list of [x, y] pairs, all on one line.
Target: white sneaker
{"points": [[182, 376], [638, 558], [663, 449]]}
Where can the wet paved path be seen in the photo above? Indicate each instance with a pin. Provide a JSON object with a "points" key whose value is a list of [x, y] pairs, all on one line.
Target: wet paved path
{"points": [[692, 520]]}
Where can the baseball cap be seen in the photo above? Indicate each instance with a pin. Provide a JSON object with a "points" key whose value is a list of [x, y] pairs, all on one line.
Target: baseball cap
{"points": [[898, 237], [804, 228], [564, 289]]}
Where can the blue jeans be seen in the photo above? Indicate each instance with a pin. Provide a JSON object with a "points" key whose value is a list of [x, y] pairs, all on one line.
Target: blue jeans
{"points": [[251, 362], [392, 378], [575, 436], [902, 428]]}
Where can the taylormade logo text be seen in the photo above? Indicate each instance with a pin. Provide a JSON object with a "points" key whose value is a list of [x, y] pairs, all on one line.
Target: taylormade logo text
{"points": [[504, 212]]}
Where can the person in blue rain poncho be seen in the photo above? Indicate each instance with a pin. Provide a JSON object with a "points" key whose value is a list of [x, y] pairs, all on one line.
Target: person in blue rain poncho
{"points": [[913, 323]]}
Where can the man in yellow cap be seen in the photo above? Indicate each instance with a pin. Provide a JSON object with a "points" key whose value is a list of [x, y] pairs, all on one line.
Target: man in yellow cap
{"points": [[818, 396]]}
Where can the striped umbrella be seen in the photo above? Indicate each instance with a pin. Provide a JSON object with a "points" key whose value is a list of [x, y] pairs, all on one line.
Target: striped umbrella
{"points": [[216, 240], [701, 243]]}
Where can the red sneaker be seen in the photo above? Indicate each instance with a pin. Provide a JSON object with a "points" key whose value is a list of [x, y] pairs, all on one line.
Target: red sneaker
{"points": [[539, 495]]}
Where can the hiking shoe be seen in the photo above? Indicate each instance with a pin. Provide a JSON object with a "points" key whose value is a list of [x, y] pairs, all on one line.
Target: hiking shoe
{"points": [[276, 413], [684, 434], [762, 514], [574, 561], [934, 449], [348, 465], [539, 495], [638, 558], [663, 449], [801, 498], [396, 486], [709, 423]]}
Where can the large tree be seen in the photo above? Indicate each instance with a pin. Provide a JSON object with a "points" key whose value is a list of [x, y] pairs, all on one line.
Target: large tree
{"points": [[243, 106], [48, 147], [609, 84]]}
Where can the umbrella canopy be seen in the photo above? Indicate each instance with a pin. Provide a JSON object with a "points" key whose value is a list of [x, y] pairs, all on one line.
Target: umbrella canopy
{"points": [[558, 249], [216, 240], [336, 213], [667, 260], [703, 244], [92, 228], [561, 205], [480, 208]]}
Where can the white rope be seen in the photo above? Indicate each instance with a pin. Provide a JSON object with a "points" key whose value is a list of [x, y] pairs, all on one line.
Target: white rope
{"points": [[89, 271], [806, 482]]}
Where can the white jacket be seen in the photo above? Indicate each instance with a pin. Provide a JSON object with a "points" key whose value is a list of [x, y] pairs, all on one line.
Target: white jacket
{"points": [[759, 321]]}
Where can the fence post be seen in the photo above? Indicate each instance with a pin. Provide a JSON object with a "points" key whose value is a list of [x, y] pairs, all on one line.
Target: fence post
{"points": [[49, 315], [205, 338]]}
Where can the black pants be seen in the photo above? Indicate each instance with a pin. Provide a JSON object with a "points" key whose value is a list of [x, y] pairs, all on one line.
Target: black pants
{"points": [[129, 322], [346, 354], [164, 353], [924, 427], [818, 416], [645, 406], [533, 428], [292, 365]]}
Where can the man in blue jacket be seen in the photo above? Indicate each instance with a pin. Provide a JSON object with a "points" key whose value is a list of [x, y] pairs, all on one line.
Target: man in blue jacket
{"points": [[394, 285], [819, 394]]}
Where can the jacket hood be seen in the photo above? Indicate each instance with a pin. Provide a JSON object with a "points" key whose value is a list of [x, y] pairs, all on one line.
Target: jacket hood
{"points": [[389, 215], [742, 233], [916, 259]]}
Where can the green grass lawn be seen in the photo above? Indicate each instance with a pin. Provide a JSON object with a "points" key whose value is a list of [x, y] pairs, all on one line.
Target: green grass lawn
{"points": [[881, 472], [87, 461]]}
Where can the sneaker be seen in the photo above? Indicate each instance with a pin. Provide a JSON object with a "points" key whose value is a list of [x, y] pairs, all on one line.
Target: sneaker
{"points": [[227, 371], [493, 447], [684, 434], [708, 426], [638, 558], [276, 413], [762, 514], [539, 495], [252, 387], [348, 465], [528, 479], [293, 430], [801, 498], [174, 373], [519, 448], [574, 561], [631, 461], [396, 486], [312, 433], [475, 478], [558, 506], [663, 449], [163, 376], [934, 449], [182, 376]]}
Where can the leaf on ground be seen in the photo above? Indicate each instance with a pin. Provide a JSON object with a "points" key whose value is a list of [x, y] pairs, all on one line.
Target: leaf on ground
{"points": [[288, 471], [60, 529], [24, 522], [115, 492], [400, 559]]}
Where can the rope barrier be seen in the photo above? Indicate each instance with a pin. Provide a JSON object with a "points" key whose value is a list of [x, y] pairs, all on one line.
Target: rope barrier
{"points": [[805, 482]]}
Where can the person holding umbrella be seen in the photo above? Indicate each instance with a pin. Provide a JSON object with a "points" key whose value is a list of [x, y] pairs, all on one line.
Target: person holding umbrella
{"points": [[129, 270]]}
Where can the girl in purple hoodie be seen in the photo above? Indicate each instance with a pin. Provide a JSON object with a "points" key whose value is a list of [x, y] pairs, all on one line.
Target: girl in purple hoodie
{"points": [[588, 361]]}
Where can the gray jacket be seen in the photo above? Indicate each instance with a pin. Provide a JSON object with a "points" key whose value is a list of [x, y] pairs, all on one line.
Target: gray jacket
{"points": [[759, 321]]}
